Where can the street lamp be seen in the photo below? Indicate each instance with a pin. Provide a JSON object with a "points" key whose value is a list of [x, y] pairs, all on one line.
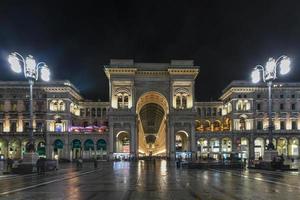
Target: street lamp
{"points": [[269, 74], [31, 71]]}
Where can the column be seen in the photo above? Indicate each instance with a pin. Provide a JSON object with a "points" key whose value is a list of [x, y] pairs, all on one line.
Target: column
{"points": [[132, 141], [193, 141], [48, 146], [251, 147], [233, 143], [172, 142], [111, 142]]}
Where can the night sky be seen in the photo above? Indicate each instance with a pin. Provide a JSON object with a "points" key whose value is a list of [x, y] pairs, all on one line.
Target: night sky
{"points": [[225, 38]]}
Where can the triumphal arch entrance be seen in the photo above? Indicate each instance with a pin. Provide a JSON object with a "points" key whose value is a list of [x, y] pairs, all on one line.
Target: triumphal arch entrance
{"points": [[151, 108]]}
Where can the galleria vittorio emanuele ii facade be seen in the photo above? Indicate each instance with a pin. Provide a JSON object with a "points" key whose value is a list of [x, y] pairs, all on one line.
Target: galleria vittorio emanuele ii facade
{"points": [[152, 111]]}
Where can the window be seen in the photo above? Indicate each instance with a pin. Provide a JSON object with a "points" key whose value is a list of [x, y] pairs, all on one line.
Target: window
{"points": [[125, 101], [281, 106], [14, 107], [26, 126], [93, 112], [178, 102], [81, 112], [39, 126], [281, 96], [258, 96], [183, 102], [214, 111], [208, 111], [294, 125], [239, 96], [293, 106], [98, 112], [258, 106], [242, 123], [104, 112], [282, 125], [26, 106], [245, 96], [259, 125], [199, 111], [13, 127], [293, 96], [220, 112], [87, 112], [120, 101]]}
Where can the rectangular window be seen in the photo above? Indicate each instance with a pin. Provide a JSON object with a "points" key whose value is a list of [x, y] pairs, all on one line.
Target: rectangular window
{"points": [[281, 106], [81, 112], [258, 106], [293, 96], [258, 96], [214, 111], [281, 96], [14, 107], [259, 125], [26, 106], [282, 125], [98, 112], [13, 127], [93, 112], [293, 106], [104, 112], [294, 125], [26, 127], [87, 112], [1, 127]]}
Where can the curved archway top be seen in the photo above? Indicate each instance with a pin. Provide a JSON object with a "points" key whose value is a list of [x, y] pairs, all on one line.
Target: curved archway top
{"points": [[121, 132], [182, 131], [152, 97]]}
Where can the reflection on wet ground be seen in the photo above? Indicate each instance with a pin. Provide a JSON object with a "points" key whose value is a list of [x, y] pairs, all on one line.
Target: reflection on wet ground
{"points": [[151, 180]]}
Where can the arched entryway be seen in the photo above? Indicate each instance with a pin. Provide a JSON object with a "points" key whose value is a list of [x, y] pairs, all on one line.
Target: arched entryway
{"points": [[293, 147], [226, 147], [14, 149], [244, 147], [88, 148], [3, 149], [101, 149], [76, 149], [203, 148], [282, 146], [259, 147], [152, 109], [58, 146], [182, 145], [41, 148]]}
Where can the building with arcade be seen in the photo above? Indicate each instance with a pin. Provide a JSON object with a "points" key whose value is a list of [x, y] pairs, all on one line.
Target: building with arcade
{"points": [[152, 111]]}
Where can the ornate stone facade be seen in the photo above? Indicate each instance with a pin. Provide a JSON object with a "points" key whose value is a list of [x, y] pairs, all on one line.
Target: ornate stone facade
{"points": [[151, 112]]}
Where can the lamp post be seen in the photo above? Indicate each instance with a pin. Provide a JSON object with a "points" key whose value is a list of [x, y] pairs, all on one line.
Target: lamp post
{"points": [[31, 71], [269, 74]]}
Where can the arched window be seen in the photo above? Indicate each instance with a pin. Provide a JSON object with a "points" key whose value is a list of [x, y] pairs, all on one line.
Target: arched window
{"points": [[178, 102], [242, 123], [120, 101], [184, 102], [123, 100], [126, 101], [61, 106]]}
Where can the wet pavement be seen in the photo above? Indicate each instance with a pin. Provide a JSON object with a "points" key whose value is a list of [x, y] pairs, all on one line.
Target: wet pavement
{"points": [[150, 180]]}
